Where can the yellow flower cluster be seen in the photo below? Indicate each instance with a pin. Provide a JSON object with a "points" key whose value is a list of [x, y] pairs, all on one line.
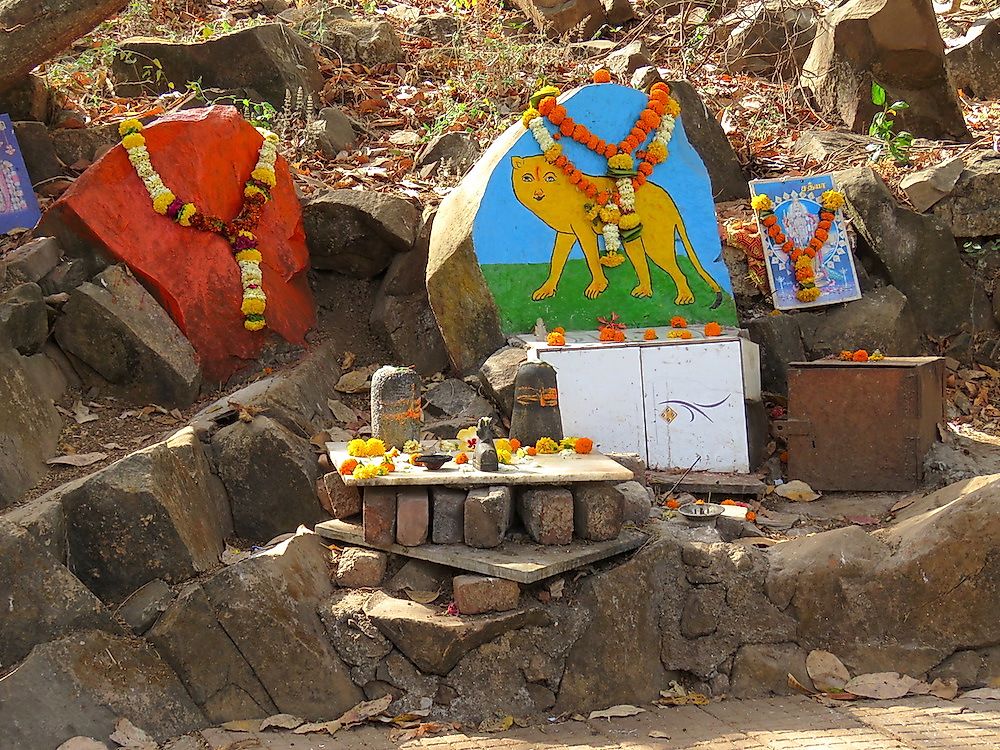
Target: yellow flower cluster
{"points": [[529, 114], [808, 295], [831, 200], [629, 221], [621, 161], [547, 445], [673, 107], [656, 152], [370, 471], [761, 203], [370, 448], [680, 333]]}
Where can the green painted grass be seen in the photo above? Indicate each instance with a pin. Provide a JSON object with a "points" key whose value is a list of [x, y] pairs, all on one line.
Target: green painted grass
{"points": [[513, 284]]}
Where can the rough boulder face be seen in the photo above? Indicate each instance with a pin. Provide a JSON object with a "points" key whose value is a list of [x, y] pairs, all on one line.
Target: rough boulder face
{"points": [[558, 17], [117, 328], [34, 31], [903, 598], [205, 155], [269, 60], [971, 208], [894, 42], [974, 64]]}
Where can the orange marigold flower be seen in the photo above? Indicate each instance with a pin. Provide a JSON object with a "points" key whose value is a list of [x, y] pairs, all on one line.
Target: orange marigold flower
{"points": [[788, 247], [650, 117], [591, 190], [751, 516], [660, 86], [825, 225], [639, 180], [561, 160], [728, 502], [638, 135], [713, 329], [770, 221], [780, 239], [462, 458], [531, 450], [810, 252], [602, 75], [575, 177], [546, 105], [603, 197], [390, 466], [515, 444], [558, 329], [593, 141], [347, 468], [860, 356], [645, 168], [673, 504], [567, 126], [555, 339], [678, 322], [610, 150], [773, 231], [803, 273], [826, 216], [815, 244], [584, 445], [822, 234], [557, 114], [659, 96], [846, 356], [650, 334], [656, 105]]}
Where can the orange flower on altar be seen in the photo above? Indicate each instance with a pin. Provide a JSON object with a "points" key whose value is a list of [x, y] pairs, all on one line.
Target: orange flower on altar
{"points": [[860, 356], [770, 221], [602, 75], [347, 468], [678, 322], [751, 516], [557, 114], [555, 339], [713, 329], [531, 450], [650, 334], [584, 445], [515, 444], [462, 458], [673, 504], [559, 329], [546, 105], [846, 356]]}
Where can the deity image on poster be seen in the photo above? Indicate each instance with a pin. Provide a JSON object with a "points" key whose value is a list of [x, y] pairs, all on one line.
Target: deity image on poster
{"points": [[18, 206], [544, 257], [797, 206]]}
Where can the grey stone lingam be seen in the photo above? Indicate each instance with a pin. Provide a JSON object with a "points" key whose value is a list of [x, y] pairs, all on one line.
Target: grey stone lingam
{"points": [[485, 456], [396, 414], [536, 404]]}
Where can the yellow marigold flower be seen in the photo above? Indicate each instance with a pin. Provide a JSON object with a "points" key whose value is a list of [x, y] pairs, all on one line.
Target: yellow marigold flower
{"points": [[629, 221], [252, 305], [831, 200], [529, 114], [656, 152], [265, 175], [804, 261], [610, 214], [553, 153], [502, 444], [188, 210], [808, 295], [357, 448], [251, 190], [133, 140], [250, 255], [761, 203], [504, 456], [567, 443], [680, 333], [253, 325], [672, 108], [128, 126], [621, 161], [547, 445], [162, 202], [375, 447], [876, 356]]}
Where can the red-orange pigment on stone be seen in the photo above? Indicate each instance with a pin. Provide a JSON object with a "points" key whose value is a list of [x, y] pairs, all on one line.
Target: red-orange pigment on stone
{"points": [[204, 156]]}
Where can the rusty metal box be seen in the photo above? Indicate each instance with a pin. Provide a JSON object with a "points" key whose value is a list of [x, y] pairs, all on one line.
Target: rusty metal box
{"points": [[863, 426]]}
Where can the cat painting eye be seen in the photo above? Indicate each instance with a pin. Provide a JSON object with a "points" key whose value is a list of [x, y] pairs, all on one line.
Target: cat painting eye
{"points": [[550, 176], [527, 178]]}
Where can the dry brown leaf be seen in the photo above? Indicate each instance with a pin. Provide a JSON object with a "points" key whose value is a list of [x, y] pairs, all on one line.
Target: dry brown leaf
{"points": [[422, 597], [827, 672], [944, 689], [365, 711], [794, 684], [881, 685], [128, 734], [281, 721], [617, 712], [354, 381], [983, 694], [796, 491], [242, 725], [79, 459]]}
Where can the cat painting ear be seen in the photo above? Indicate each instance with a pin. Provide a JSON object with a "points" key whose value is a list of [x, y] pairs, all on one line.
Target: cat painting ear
{"points": [[517, 161]]}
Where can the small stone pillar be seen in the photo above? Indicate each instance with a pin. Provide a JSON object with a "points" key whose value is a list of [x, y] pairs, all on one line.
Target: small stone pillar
{"points": [[536, 404], [396, 414]]}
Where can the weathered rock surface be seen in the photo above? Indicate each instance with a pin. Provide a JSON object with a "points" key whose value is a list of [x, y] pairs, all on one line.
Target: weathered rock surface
{"points": [[116, 327], [363, 41], [408, 324], [31, 427], [919, 256], [38, 152], [25, 99], [969, 209], [82, 684], [883, 319], [270, 475], [928, 186], [337, 498], [82, 146], [638, 502], [36, 33], [154, 514], [780, 341], [435, 643], [498, 373], [628, 59], [332, 131], [769, 37], [826, 144], [558, 18], [357, 233], [896, 42], [44, 600], [108, 211], [360, 568], [33, 260], [547, 514], [24, 321], [357, 640], [455, 398], [454, 152], [476, 595], [270, 59], [974, 62], [146, 604], [45, 520], [762, 669]]}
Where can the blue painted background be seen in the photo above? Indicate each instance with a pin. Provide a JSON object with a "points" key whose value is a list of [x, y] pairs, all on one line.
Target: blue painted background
{"points": [[11, 163], [504, 231]]}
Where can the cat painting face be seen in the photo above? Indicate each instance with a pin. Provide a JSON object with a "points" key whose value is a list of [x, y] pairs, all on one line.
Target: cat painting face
{"points": [[545, 191]]}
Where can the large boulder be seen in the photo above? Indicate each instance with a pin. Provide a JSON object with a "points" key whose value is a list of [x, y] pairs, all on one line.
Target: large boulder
{"points": [[557, 17], [270, 475], [974, 60], [780, 340], [357, 233], [769, 37], [408, 324], [26, 99], [156, 513], [192, 274], [116, 327], [919, 256], [272, 60], [882, 319], [970, 209], [38, 152], [45, 600], [233, 664], [362, 42], [24, 319], [31, 426], [903, 598], [895, 43], [83, 684], [34, 33]]}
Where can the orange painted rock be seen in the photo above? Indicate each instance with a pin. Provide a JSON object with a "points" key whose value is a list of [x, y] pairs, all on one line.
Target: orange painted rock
{"points": [[204, 156]]}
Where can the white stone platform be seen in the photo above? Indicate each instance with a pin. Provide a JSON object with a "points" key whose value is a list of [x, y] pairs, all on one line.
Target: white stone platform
{"points": [[551, 469]]}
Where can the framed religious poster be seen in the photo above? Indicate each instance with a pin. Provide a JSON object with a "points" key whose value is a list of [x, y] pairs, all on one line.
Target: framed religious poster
{"points": [[18, 206], [806, 247]]}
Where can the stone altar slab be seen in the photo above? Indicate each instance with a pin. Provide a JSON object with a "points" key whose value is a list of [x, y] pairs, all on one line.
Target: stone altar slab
{"points": [[554, 469], [524, 562]]}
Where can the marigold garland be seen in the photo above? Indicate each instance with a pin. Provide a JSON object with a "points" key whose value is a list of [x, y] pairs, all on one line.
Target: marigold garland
{"points": [[239, 232], [831, 201], [615, 212]]}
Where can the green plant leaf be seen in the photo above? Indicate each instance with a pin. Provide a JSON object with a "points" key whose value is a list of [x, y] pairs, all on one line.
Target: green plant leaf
{"points": [[899, 105], [878, 94]]}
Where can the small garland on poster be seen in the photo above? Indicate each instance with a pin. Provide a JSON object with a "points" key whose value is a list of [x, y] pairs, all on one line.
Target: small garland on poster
{"points": [[239, 233], [614, 211], [801, 257]]}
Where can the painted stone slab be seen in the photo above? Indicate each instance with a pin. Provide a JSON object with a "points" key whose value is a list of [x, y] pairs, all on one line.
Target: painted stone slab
{"points": [[205, 156], [18, 205], [530, 212], [796, 204]]}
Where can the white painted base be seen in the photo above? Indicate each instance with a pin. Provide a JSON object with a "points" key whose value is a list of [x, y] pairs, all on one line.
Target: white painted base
{"points": [[677, 403]]}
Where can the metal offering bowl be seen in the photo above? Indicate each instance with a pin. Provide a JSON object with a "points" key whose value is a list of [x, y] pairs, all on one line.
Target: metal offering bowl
{"points": [[698, 514], [433, 461]]}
